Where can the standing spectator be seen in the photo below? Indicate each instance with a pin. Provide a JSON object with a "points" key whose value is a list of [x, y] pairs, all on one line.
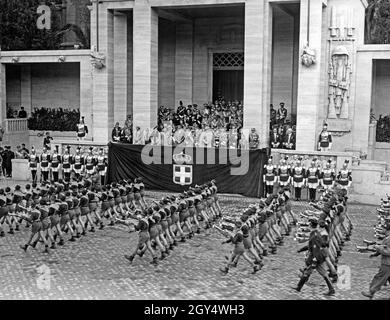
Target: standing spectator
{"points": [[25, 149], [282, 114], [138, 136], [272, 115], [46, 141], [116, 133], [22, 113], [2, 151], [253, 139], [20, 153], [1, 135], [7, 161]]}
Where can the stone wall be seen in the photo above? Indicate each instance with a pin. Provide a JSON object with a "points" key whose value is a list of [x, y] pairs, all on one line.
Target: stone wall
{"points": [[282, 62], [51, 85], [381, 87]]}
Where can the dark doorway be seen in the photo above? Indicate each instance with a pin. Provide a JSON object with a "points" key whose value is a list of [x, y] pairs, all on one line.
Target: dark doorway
{"points": [[229, 84]]}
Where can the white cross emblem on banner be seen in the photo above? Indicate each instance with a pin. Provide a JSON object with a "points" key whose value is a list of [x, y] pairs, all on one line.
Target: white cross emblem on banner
{"points": [[182, 174]]}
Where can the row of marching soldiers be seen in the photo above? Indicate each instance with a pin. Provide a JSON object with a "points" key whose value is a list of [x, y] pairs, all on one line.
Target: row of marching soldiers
{"points": [[162, 223], [53, 210], [325, 230], [67, 165], [314, 177], [258, 230]]}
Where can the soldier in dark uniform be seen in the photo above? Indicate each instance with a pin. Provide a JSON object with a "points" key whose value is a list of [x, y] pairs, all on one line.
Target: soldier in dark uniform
{"points": [[282, 114], [116, 133], [315, 259], [45, 161], [33, 161], [383, 275], [312, 180], [325, 139], [55, 163], [66, 164]]}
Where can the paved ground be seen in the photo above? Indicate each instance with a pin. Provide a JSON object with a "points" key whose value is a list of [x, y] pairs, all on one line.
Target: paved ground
{"points": [[94, 267]]}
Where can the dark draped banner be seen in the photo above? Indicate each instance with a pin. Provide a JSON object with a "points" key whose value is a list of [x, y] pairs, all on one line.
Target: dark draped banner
{"points": [[126, 161]]}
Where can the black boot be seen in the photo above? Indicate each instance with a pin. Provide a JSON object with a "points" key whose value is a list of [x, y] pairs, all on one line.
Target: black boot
{"points": [[331, 291], [154, 261], [130, 258], [301, 283]]}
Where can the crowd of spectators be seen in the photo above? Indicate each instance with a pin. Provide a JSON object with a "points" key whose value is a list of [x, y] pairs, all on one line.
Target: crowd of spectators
{"points": [[54, 119], [282, 128], [218, 115], [12, 113]]}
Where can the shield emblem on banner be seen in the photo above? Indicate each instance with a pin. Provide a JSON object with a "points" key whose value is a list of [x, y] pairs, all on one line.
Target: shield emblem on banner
{"points": [[182, 174], [182, 171]]}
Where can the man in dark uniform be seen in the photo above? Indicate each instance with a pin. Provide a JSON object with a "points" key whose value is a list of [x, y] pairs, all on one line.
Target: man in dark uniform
{"points": [[383, 275], [282, 114], [315, 258], [116, 133], [325, 139], [7, 161], [274, 139]]}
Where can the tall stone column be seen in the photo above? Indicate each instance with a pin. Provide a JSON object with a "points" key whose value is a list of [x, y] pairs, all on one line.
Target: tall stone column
{"points": [[258, 40], [103, 79], [120, 68], [86, 94], [25, 88], [183, 63], [145, 65], [309, 78], [3, 94]]}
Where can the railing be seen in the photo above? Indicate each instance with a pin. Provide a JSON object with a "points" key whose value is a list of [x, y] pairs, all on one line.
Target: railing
{"points": [[16, 125]]}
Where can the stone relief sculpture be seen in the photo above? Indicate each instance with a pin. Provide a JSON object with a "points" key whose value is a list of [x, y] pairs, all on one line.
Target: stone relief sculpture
{"points": [[308, 57], [98, 60], [340, 70]]}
